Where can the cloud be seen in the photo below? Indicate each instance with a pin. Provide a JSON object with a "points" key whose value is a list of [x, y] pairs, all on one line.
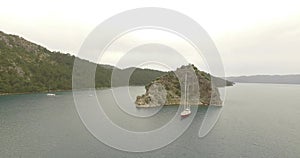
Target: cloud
{"points": [[268, 48], [253, 37], [153, 45]]}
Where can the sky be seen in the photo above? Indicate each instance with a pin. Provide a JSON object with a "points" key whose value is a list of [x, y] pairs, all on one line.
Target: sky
{"points": [[252, 37]]}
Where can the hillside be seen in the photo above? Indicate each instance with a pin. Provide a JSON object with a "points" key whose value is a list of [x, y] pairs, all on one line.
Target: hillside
{"points": [[277, 79], [28, 67]]}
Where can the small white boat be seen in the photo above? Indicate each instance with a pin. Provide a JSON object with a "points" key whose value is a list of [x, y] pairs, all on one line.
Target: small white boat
{"points": [[51, 94], [187, 110]]}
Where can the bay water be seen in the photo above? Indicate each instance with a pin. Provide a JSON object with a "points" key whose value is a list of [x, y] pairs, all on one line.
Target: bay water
{"points": [[257, 121]]}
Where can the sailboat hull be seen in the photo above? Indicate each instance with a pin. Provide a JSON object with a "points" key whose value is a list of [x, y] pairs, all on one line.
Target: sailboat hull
{"points": [[184, 116], [185, 113]]}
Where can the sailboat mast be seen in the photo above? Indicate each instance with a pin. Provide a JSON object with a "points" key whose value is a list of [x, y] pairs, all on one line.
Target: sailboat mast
{"points": [[185, 94], [187, 97], [186, 111]]}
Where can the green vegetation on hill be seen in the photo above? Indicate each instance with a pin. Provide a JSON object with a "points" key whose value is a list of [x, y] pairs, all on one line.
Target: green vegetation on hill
{"points": [[28, 67]]}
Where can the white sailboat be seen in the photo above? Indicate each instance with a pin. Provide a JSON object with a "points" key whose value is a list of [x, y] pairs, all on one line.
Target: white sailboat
{"points": [[187, 109]]}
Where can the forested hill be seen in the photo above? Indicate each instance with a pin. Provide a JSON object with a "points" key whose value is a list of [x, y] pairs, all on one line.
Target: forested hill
{"points": [[28, 67]]}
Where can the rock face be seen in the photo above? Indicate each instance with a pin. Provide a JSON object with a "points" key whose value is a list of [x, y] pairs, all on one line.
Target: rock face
{"points": [[171, 89]]}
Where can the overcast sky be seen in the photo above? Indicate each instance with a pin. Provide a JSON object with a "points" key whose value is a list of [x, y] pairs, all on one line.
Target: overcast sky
{"points": [[254, 37]]}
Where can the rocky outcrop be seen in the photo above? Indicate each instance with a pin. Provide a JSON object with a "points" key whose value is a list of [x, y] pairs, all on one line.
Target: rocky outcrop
{"points": [[170, 89]]}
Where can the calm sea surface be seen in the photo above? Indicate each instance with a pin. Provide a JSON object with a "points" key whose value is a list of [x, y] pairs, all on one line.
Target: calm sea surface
{"points": [[258, 121]]}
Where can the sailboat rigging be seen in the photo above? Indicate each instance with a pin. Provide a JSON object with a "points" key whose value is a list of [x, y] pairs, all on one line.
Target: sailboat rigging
{"points": [[187, 109]]}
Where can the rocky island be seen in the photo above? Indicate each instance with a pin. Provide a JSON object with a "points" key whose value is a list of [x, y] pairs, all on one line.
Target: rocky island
{"points": [[167, 89]]}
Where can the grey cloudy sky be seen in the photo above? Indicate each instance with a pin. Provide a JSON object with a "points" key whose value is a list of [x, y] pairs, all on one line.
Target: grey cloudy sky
{"points": [[254, 37]]}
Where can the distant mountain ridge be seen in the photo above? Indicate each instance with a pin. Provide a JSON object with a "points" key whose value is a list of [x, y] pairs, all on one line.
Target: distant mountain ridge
{"points": [[277, 79]]}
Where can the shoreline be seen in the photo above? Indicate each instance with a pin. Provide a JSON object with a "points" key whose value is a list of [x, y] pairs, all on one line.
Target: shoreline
{"points": [[60, 90], [20, 93], [204, 105]]}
